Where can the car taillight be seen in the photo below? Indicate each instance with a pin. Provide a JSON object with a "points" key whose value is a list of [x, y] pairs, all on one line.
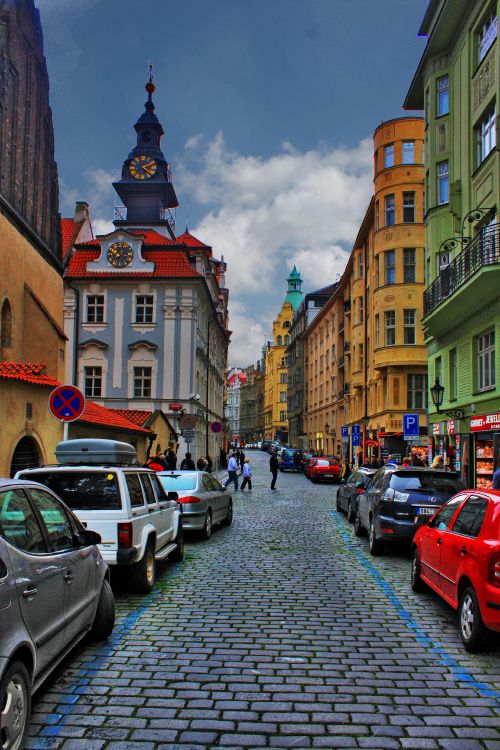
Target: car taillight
{"points": [[494, 569], [124, 535], [189, 499]]}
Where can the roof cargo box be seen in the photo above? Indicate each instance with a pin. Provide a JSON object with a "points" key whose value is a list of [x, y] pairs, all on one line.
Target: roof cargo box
{"points": [[95, 452]]}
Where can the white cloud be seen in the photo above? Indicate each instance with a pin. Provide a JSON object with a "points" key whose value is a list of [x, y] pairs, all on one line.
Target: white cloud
{"points": [[264, 215], [101, 226]]}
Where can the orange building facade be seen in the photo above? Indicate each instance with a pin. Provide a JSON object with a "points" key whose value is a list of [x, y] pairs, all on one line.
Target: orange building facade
{"points": [[365, 358]]}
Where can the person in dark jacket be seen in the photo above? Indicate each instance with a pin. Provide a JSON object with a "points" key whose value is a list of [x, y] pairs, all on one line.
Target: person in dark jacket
{"points": [[187, 463], [242, 460], [273, 468], [171, 459]]}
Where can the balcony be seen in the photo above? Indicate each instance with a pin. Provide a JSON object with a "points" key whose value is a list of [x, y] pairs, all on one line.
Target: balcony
{"points": [[145, 214], [483, 252]]}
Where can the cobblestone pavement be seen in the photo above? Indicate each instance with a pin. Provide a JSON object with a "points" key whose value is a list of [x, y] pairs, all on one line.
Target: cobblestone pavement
{"points": [[280, 631]]}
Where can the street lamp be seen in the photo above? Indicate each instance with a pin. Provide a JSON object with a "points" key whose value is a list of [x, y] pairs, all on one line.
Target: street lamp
{"points": [[437, 393]]}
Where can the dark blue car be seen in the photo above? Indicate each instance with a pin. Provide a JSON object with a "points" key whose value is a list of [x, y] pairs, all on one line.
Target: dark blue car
{"points": [[291, 460]]}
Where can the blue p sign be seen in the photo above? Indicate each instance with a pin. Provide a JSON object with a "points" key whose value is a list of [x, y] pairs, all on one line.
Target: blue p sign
{"points": [[410, 425]]}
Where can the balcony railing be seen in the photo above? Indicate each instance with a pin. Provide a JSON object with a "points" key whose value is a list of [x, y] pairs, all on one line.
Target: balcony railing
{"points": [[145, 214], [482, 251]]}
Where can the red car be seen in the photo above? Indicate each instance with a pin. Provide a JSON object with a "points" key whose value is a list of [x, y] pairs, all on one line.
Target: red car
{"points": [[324, 469], [457, 554]]}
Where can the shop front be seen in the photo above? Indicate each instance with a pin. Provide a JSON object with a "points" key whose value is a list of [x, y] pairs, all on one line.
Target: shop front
{"points": [[448, 441], [485, 438]]}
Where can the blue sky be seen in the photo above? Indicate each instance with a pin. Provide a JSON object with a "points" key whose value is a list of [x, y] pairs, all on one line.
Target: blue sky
{"points": [[268, 108]]}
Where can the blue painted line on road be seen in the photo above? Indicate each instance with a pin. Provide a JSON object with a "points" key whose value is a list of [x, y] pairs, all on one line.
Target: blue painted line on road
{"points": [[421, 636], [78, 689]]}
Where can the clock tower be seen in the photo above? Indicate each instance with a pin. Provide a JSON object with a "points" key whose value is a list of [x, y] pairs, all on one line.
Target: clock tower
{"points": [[146, 189]]}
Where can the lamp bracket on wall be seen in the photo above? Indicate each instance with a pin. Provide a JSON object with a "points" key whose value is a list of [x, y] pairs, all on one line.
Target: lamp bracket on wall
{"points": [[455, 413]]}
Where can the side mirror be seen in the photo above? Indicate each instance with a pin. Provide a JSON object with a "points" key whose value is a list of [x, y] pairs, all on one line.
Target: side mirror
{"points": [[90, 537]]}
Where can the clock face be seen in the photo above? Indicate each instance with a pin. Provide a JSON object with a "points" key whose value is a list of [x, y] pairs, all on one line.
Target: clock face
{"points": [[120, 254], [142, 167]]}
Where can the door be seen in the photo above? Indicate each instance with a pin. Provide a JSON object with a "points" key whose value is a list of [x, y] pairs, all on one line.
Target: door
{"points": [[221, 496], [431, 540], [458, 544], [165, 507], [138, 509], [37, 574], [368, 499], [77, 563]]}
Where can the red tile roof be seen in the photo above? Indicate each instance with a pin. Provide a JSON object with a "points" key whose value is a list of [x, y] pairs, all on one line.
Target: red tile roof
{"points": [[168, 263], [133, 415], [99, 415], [27, 372], [69, 232], [188, 239]]}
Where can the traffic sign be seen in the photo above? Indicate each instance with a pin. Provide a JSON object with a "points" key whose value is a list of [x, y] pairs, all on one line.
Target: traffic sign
{"points": [[175, 407], [66, 403], [188, 421], [188, 435], [410, 426], [355, 430], [216, 427]]}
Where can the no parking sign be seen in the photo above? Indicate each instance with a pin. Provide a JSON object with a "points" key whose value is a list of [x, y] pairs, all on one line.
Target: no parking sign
{"points": [[66, 403]]}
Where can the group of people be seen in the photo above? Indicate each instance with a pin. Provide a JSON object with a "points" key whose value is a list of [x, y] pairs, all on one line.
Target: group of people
{"points": [[167, 461], [238, 461]]}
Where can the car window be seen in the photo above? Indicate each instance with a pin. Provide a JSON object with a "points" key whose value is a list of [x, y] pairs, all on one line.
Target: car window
{"points": [[56, 520], [158, 488], [178, 482], [333, 462], [379, 480], [134, 489], [217, 485], [79, 490], [443, 517], [424, 481], [18, 524], [148, 490], [321, 463], [470, 519], [207, 484]]}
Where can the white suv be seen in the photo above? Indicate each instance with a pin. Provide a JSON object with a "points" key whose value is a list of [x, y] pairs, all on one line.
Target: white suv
{"points": [[125, 504]]}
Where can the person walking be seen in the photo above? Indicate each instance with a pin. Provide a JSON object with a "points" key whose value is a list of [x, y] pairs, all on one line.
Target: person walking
{"points": [[210, 464], [273, 467], [247, 475], [171, 459], [187, 463], [232, 470], [346, 471], [242, 460], [202, 464]]}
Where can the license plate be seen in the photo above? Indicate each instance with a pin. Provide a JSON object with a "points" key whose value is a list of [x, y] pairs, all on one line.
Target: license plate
{"points": [[425, 511], [328, 475]]}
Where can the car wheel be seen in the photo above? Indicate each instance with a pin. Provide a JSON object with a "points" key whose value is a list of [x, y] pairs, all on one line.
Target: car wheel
{"points": [[350, 512], [229, 518], [15, 706], [104, 619], [416, 581], [359, 529], [144, 572], [376, 546], [472, 629], [178, 554], [206, 532]]}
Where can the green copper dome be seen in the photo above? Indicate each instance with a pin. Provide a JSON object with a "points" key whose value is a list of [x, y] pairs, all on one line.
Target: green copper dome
{"points": [[294, 293]]}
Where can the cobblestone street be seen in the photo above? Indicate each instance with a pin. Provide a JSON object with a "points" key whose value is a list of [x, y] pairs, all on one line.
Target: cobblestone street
{"points": [[280, 631]]}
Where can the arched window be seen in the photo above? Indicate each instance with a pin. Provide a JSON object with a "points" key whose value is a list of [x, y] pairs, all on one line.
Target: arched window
{"points": [[26, 456], [287, 340], [5, 328], [279, 341], [286, 324]]}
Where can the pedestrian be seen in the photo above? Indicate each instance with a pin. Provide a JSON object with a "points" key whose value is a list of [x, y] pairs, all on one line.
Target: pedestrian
{"points": [[223, 458], [437, 462], [232, 470], [171, 460], [210, 464], [297, 460], [390, 461], [160, 459], [201, 464], [273, 467], [187, 463], [415, 458], [346, 471], [152, 463], [247, 475], [406, 463], [496, 480], [242, 460]]}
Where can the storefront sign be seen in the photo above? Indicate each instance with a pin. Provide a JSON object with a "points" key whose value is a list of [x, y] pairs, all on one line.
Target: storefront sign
{"points": [[436, 428], [485, 422], [450, 427]]}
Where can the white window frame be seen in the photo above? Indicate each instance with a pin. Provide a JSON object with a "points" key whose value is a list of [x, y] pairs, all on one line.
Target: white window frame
{"points": [[389, 327], [410, 326], [416, 391], [389, 267], [442, 96], [92, 376], [443, 183], [389, 155], [142, 379], [390, 209], [409, 203], [410, 264], [144, 307], [486, 361], [487, 34], [408, 152], [95, 307], [486, 135]]}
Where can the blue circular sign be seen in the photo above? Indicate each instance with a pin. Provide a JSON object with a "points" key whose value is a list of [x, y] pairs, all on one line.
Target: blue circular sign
{"points": [[66, 403], [216, 427]]}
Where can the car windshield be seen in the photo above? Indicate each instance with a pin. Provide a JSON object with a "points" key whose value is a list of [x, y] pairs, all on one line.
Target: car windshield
{"points": [[177, 482], [333, 462], [322, 462], [431, 481], [82, 490]]}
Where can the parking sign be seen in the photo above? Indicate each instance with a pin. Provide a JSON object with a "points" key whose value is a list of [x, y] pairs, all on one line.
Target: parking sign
{"points": [[410, 426]]}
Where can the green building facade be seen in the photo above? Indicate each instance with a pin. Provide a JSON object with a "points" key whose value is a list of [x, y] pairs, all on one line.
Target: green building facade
{"points": [[457, 85]]}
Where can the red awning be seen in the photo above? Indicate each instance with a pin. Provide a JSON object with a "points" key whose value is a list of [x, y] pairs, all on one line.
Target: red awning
{"points": [[373, 443]]}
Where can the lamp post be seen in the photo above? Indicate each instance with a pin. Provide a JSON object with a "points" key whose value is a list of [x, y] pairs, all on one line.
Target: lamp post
{"points": [[437, 394]]}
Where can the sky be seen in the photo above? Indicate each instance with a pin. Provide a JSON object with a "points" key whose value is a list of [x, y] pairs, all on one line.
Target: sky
{"points": [[268, 107]]}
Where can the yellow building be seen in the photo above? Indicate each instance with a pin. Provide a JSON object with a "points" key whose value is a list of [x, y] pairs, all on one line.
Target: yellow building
{"points": [[276, 366], [366, 362]]}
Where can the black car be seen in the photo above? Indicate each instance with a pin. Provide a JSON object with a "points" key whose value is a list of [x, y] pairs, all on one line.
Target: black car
{"points": [[265, 445], [397, 500], [347, 495]]}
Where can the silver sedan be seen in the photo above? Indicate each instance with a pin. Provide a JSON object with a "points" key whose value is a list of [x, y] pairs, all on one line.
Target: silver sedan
{"points": [[204, 500]]}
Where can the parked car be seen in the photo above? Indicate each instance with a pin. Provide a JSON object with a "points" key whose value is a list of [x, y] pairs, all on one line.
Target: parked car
{"points": [[205, 502], [54, 589], [324, 470], [127, 505], [291, 459], [397, 500], [457, 554], [309, 458], [264, 445], [347, 495]]}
